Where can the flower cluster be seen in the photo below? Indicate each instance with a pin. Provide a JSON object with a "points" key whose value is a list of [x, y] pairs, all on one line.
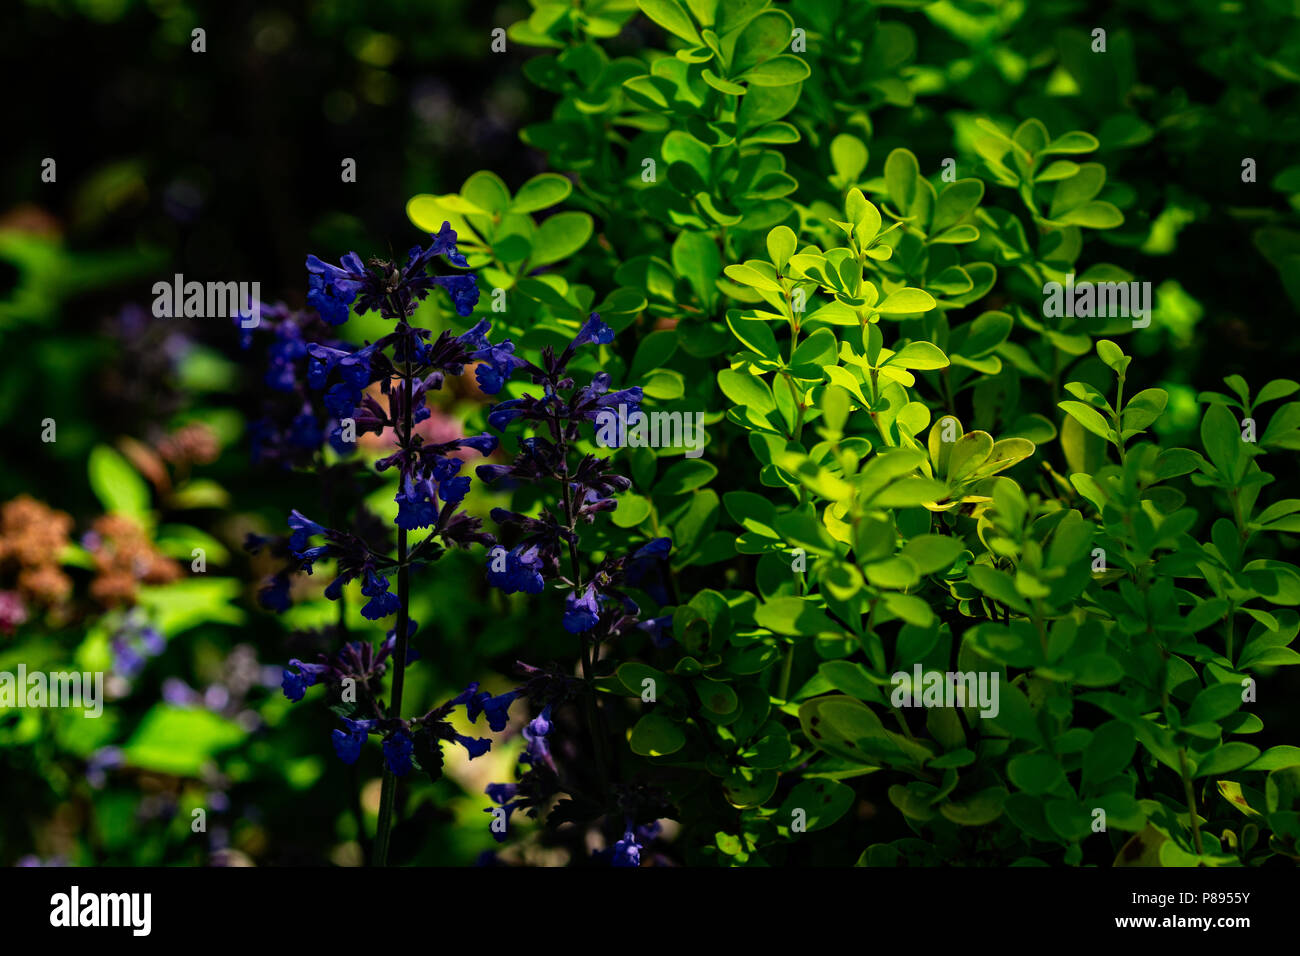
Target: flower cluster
{"points": [[385, 287], [294, 424], [124, 558], [382, 388], [32, 539], [134, 642], [546, 548]]}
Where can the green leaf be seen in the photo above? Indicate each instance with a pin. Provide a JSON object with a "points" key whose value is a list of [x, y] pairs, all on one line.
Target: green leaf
{"points": [[685, 476], [977, 810], [922, 356], [794, 616], [696, 257], [765, 36], [1088, 417], [1112, 355], [656, 736], [117, 485], [778, 71], [822, 802], [755, 335], [933, 552], [955, 202], [1073, 142], [670, 15], [560, 236], [902, 174], [1078, 189], [541, 192], [180, 740], [1227, 758], [1214, 703], [781, 245], [1108, 752], [907, 302], [1221, 439], [1094, 215], [1036, 774], [849, 159]]}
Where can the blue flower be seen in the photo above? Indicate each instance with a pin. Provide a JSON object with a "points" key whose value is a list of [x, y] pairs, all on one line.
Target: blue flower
{"points": [[274, 595], [593, 330], [415, 509], [538, 749], [444, 244], [503, 413], [540, 726], [502, 794], [483, 444], [382, 602], [645, 569], [295, 685], [659, 630], [581, 612], [496, 708], [463, 290], [522, 571], [397, 753], [302, 529], [468, 697], [305, 431], [347, 743], [454, 489], [332, 290], [477, 746], [498, 363], [627, 851]]}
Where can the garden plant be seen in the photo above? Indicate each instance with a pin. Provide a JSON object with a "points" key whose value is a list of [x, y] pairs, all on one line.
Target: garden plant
{"points": [[864, 437]]}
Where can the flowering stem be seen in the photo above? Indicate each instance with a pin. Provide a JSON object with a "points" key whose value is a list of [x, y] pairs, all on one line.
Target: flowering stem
{"points": [[588, 651], [388, 792]]}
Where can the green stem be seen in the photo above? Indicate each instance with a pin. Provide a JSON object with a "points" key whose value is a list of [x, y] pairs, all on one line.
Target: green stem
{"points": [[388, 791], [1191, 801], [786, 671]]}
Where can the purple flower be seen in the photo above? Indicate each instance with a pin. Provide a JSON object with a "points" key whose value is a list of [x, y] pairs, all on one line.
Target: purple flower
{"points": [[382, 602], [302, 529], [397, 753], [331, 289], [593, 330], [415, 508], [627, 851], [502, 794], [477, 746], [496, 708], [463, 290], [659, 630], [347, 743], [581, 611], [295, 685], [444, 244], [519, 569]]}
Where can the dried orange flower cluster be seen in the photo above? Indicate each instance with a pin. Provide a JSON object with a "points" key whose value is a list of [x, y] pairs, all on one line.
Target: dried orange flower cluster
{"points": [[193, 444], [32, 539], [124, 558]]}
